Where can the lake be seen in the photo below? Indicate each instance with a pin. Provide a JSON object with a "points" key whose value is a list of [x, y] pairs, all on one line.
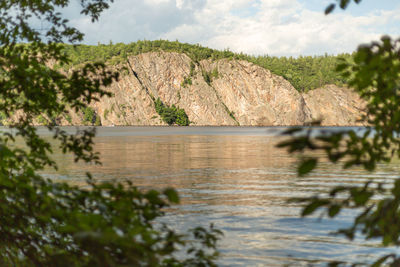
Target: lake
{"points": [[237, 179]]}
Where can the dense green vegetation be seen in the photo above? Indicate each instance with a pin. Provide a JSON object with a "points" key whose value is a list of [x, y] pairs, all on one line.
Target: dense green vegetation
{"points": [[209, 76], [171, 114], [187, 81], [304, 73], [90, 117]]}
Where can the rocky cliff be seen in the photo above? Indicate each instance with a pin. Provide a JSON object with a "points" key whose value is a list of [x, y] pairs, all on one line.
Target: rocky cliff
{"points": [[223, 92]]}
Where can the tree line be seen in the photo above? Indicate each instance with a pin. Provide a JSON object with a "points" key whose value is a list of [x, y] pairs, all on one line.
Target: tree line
{"points": [[304, 72]]}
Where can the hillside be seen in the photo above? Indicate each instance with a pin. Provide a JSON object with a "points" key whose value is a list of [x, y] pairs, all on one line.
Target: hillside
{"points": [[304, 73], [164, 82], [157, 88]]}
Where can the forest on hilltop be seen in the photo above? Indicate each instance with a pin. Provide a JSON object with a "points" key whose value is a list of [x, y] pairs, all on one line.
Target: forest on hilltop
{"points": [[304, 72]]}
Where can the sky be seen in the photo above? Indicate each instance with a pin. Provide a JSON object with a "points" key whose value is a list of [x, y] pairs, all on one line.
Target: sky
{"points": [[257, 27]]}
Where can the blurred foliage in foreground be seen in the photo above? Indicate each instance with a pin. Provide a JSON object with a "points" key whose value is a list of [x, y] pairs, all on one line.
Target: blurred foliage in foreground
{"points": [[375, 75], [46, 223]]}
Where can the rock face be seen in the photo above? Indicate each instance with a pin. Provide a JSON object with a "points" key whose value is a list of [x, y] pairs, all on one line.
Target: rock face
{"points": [[255, 96], [239, 93], [223, 92], [335, 106]]}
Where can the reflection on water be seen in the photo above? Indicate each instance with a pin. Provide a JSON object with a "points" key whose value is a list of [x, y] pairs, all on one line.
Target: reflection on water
{"points": [[237, 179]]}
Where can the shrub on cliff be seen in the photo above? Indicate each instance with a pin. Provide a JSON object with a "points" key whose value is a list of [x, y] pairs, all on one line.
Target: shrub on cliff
{"points": [[89, 115], [182, 118], [172, 114]]}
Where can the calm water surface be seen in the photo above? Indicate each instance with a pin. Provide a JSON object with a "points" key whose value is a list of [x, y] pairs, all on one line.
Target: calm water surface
{"points": [[237, 179]]}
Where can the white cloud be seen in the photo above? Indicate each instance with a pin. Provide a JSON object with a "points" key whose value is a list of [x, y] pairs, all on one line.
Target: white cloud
{"points": [[274, 27], [155, 2], [179, 3]]}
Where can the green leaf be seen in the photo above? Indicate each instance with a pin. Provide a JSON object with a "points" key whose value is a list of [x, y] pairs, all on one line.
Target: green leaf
{"points": [[307, 166], [335, 263], [334, 210], [381, 260], [313, 206], [329, 9], [344, 3], [153, 196], [172, 195], [360, 198]]}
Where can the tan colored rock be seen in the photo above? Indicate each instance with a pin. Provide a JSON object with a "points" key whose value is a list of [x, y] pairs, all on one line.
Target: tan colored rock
{"points": [[335, 106], [256, 96], [241, 94], [129, 105], [162, 74]]}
